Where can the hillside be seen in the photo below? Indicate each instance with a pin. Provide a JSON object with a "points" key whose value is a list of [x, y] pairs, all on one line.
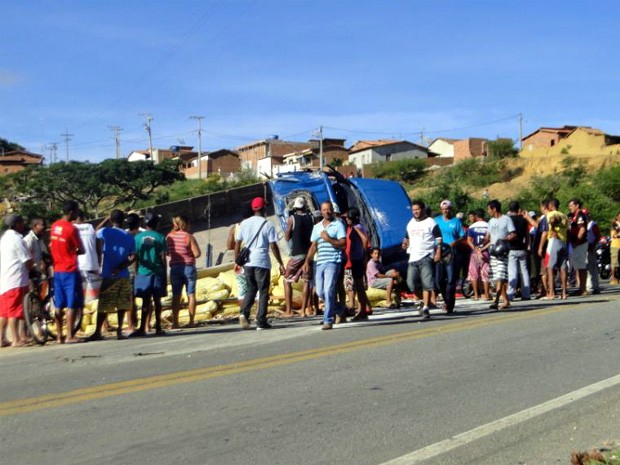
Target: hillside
{"points": [[528, 168]]}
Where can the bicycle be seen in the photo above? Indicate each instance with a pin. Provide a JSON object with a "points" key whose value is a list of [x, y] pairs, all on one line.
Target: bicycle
{"points": [[39, 310]]}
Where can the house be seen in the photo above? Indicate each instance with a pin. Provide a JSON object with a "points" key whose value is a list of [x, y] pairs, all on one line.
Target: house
{"points": [[472, 147], [18, 160], [332, 150], [443, 147], [250, 154], [365, 152], [546, 137], [183, 153], [570, 140], [223, 162]]}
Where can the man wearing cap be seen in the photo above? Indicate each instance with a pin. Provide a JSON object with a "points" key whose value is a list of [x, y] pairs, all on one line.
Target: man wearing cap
{"points": [[298, 231], [328, 240], [150, 280], [445, 272], [259, 235], [15, 263]]}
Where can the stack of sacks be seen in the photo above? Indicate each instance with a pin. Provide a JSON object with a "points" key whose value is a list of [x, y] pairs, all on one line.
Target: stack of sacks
{"points": [[211, 289], [376, 297], [277, 294]]}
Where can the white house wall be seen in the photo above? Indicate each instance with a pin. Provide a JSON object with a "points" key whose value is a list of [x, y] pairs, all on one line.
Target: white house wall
{"points": [[443, 148]]}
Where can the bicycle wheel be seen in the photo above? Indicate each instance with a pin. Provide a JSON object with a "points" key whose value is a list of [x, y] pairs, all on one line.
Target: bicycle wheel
{"points": [[77, 324], [35, 318], [468, 289]]}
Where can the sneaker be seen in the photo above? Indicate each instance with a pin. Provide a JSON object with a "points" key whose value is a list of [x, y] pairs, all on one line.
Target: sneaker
{"points": [[243, 322], [326, 326], [263, 326], [426, 314], [340, 319]]}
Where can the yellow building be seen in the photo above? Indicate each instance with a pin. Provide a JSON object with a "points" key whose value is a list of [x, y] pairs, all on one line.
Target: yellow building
{"points": [[577, 141]]}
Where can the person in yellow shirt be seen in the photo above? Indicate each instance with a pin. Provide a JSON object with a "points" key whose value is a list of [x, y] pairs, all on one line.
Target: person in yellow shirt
{"points": [[615, 249], [556, 257]]}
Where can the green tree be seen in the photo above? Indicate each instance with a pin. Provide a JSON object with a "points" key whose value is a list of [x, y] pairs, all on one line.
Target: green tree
{"points": [[6, 146], [501, 148], [136, 181], [96, 187], [407, 171]]}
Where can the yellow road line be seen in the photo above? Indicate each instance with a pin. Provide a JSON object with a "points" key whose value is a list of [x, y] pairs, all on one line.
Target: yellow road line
{"points": [[200, 374]]}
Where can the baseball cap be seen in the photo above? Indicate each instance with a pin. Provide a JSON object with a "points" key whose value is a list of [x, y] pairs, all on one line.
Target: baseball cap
{"points": [[151, 218], [299, 203], [445, 204], [258, 203]]}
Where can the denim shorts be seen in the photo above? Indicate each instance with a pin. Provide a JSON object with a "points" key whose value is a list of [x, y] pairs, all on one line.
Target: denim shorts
{"points": [[183, 275], [147, 286], [421, 270]]}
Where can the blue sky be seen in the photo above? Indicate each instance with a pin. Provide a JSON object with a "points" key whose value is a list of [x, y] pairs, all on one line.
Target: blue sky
{"points": [[362, 69]]}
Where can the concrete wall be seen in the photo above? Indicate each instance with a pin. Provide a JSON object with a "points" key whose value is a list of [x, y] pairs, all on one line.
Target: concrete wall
{"points": [[469, 148], [211, 216]]}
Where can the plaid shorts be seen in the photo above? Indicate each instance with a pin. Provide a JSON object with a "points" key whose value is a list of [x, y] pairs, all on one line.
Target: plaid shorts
{"points": [[115, 295]]}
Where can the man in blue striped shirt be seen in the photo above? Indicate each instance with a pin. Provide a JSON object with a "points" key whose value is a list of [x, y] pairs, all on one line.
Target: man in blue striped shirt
{"points": [[328, 241]]}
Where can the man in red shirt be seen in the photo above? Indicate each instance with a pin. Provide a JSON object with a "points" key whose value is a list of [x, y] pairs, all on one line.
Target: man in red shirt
{"points": [[65, 246]]}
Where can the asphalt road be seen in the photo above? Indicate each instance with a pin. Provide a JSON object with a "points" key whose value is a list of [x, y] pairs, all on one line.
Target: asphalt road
{"points": [[526, 386]]}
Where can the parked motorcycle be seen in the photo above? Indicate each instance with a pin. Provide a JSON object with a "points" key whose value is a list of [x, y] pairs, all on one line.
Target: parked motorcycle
{"points": [[603, 257]]}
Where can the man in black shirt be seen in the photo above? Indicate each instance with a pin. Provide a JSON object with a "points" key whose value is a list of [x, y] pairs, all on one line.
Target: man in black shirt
{"points": [[298, 231], [517, 257]]}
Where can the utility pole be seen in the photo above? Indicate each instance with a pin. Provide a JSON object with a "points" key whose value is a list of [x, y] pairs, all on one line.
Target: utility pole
{"points": [[117, 139], [422, 138], [200, 118], [321, 147], [521, 131], [147, 128], [67, 137]]}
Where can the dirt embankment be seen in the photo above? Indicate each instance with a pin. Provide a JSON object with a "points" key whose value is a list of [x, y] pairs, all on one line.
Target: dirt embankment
{"points": [[531, 167]]}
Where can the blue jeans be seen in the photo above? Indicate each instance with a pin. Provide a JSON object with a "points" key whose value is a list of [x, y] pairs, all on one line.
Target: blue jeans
{"points": [[517, 264], [326, 279], [445, 279]]}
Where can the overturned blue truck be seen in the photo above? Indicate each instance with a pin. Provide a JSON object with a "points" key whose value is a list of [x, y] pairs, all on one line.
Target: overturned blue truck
{"points": [[384, 205]]}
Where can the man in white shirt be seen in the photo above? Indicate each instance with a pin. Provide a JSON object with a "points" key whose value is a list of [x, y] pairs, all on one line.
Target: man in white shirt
{"points": [[15, 263], [88, 262], [423, 235], [36, 245]]}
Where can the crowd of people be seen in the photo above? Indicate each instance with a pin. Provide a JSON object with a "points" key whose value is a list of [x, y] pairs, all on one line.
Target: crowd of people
{"points": [[112, 263], [514, 255]]}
